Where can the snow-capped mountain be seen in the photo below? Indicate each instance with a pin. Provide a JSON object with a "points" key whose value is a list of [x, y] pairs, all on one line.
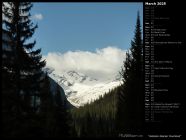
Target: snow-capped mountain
{"points": [[80, 88]]}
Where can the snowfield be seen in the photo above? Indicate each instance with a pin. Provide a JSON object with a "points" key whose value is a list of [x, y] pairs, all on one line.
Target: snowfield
{"points": [[80, 88]]}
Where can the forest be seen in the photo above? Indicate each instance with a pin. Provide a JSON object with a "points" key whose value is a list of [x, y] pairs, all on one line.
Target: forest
{"points": [[29, 109]]}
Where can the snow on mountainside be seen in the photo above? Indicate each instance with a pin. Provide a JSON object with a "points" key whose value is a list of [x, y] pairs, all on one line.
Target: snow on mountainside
{"points": [[80, 88]]}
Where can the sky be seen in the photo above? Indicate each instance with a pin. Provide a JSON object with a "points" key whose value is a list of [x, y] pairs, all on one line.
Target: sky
{"points": [[90, 38], [84, 26]]}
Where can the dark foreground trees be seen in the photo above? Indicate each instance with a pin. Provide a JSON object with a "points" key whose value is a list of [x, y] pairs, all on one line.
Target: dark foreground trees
{"points": [[130, 102], [29, 107], [21, 68]]}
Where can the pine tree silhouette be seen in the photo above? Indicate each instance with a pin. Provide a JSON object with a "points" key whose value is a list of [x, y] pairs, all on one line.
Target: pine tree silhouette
{"points": [[21, 67], [130, 102]]}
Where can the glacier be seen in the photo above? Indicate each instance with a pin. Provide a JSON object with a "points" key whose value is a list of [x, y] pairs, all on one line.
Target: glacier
{"points": [[80, 88]]}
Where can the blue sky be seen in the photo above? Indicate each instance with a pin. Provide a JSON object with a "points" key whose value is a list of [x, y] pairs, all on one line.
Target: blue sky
{"points": [[84, 26]]}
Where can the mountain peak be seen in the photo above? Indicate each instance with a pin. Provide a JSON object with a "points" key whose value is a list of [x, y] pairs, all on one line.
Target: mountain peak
{"points": [[80, 88]]}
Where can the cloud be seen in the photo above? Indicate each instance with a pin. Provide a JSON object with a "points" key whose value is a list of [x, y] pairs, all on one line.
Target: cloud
{"points": [[37, 16], [102, 64]]}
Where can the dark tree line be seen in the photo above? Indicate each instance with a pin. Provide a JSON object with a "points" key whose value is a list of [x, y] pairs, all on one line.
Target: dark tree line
{"points": [[96, 119], [29, 108]]}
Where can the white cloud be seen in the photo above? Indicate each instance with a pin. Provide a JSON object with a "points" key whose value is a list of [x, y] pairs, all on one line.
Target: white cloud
{"points": [[102, 64], [37, 16]]}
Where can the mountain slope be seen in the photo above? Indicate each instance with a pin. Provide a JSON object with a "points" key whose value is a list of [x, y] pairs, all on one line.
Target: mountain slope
{"points": [[53, 88], [80, 88]]}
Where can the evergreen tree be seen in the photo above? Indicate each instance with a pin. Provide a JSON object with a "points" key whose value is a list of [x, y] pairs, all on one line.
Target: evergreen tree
{"points": [[130, 102], [21, 66], [27, 62]]}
